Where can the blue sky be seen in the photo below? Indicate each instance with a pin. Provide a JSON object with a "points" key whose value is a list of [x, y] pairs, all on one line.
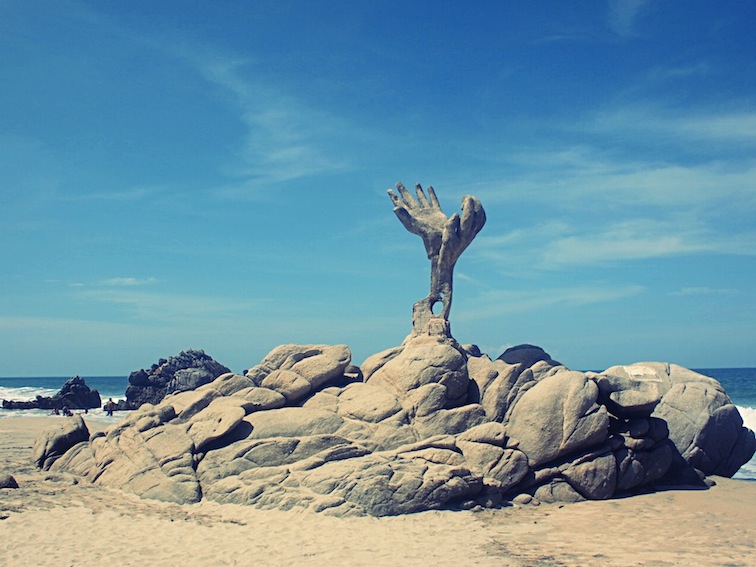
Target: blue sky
{"points": [[213, 175]]}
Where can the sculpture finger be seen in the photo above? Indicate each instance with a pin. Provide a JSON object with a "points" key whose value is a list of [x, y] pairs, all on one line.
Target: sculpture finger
{"points": [[473, 217], [409, 201], [480, 215], [433, 199], [451, 230], [421, 196], [395, 198]]}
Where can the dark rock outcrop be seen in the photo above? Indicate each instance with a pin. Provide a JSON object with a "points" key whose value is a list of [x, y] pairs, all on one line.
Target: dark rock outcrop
{"points": [[432, 425], [8, 481], [188, 370], [75, 394]]}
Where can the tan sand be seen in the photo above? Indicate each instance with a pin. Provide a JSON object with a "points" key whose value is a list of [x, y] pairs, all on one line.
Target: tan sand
{"points": [[55, 520]]}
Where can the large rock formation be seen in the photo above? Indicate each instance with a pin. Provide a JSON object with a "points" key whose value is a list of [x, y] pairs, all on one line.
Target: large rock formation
{"points": [[75, 394], [186, 371], [424, 425], [432, 425]]}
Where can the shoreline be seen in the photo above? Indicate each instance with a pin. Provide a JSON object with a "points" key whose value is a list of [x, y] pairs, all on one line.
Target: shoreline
{"points": [[57, 519]]}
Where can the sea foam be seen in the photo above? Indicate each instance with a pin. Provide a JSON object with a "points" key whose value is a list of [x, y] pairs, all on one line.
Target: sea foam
{"points": [[749, 416]]}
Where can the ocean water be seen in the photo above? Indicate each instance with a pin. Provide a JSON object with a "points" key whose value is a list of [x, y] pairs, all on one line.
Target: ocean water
{"points": [[27, 389], [740, 384]]}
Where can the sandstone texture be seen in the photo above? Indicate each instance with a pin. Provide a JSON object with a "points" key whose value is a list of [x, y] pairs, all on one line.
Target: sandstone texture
{"points": [[426, 425]]}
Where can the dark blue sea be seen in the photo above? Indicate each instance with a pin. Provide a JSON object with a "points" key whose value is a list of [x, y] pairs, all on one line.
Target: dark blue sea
{"points": [[740, 384]]}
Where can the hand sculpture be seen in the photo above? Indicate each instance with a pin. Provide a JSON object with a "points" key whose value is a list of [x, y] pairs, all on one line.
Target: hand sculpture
{"points": [[445, 239]]}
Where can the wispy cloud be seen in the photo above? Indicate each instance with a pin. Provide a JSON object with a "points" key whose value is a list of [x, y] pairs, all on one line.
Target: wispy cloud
{"points": [[584, 176], [735, 125], [697, 291], [692, 190], [128, 281], [520, 250], [626, 240], [109, 282], [144, 299], [700, 69], [623, 15], [285, 140], [558, 245], [501, 302], [170, 307], [128, 194]]}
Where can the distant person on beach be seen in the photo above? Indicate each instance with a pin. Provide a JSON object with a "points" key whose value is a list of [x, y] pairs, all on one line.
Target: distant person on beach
{"points": [[55, 411], [67, 412], [110, 406]]}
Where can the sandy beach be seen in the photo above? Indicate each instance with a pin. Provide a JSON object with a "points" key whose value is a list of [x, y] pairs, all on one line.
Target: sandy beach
{"points": [[53, 519]]}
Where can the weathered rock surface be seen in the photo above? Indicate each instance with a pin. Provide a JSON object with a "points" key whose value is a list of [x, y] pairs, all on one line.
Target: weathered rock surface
{"points": [[58, 439], [557, 416], [188, 370], [705, 428], [420, 363], [74, 394], [431, 425], [8, 481]]}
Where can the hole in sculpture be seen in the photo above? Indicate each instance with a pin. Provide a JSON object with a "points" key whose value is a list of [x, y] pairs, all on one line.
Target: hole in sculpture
{"points": [[437, 307]]}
